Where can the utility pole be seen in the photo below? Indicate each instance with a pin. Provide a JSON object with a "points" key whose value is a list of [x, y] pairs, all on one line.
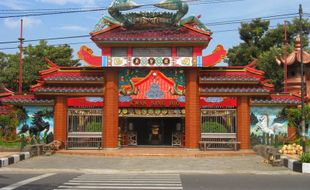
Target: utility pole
{"points": [[21, 39], [303, 124], [285, 61]]}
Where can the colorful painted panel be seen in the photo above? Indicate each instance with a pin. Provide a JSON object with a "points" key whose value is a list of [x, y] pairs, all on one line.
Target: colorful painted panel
{"points": [[267, 122], [152, 61], [149, 62], [152, 88], [185, 61], [39, 124]]}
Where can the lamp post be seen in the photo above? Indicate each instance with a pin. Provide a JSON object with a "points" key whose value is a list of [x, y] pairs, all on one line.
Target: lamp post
{"points": [[303, 124]]}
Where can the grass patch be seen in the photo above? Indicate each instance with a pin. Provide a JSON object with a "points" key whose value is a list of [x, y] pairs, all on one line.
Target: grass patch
{"points": [[9, 144]]}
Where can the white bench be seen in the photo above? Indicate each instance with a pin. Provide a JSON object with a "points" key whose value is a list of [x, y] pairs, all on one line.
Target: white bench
{"points": [[218, 141]]}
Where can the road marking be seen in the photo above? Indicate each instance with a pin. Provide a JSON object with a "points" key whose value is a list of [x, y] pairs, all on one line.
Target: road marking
{"points": [[127, 184], [27, 181], [97, 181]]}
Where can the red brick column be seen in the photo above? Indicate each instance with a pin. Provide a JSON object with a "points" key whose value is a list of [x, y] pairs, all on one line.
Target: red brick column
{"points": [[60, 119], [192, 108], [243, 118], [110, 110]]}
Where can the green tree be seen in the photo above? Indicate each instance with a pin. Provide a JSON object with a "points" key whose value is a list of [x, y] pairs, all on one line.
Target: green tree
{"points": [[294, 116], [33, 62], [261, 42]]}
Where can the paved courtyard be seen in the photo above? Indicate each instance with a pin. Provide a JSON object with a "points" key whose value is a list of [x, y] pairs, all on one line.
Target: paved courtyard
{"points": [[97, 164]]}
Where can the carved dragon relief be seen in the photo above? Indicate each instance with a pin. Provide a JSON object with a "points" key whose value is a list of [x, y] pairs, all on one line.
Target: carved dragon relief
{"points": [[176, 91], [132, 91]]}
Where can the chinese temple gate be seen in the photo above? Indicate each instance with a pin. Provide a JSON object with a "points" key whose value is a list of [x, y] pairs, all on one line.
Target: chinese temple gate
{"points": [[151, 85]]}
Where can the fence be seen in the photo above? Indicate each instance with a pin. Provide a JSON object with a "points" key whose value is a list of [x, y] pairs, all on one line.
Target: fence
{"points": [[218, 121], [84, 128], [269, 139]]}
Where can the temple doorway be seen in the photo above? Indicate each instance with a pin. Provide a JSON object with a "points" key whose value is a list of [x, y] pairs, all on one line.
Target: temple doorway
{"points": [[163, 131]]}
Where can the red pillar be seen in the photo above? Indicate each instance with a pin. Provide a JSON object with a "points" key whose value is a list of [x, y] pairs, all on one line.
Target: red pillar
{"points": [[292, 133], [110, 110], [192, 109], [243, 119], [60, 119]]}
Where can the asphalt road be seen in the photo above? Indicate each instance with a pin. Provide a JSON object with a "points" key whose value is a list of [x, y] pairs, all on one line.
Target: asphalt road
{"points": [[48, 181]]}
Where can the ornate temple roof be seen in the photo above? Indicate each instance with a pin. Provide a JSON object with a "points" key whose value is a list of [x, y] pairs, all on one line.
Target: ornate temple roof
{"points": [[229, 76], [71, 81], [152, 27], [5, 110], [75, 77], [277, 99], [174, 35], [233, 90], [4, 91], [26, 100], [295, 56], [233, 81], [69, 90]]}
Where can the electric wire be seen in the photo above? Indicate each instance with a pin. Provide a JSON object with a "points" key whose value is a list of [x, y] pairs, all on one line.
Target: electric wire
{"points": [[76, 10]]}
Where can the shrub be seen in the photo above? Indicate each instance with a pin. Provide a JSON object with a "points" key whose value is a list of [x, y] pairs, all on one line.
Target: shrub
{"points": [[213, 127], [305, 158], [93, 127]]}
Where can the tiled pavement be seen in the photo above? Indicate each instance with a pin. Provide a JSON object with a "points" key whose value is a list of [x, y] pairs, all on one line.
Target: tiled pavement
{"points": [[156, 152]]}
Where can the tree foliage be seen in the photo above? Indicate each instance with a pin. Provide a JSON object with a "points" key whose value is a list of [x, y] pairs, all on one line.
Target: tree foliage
{"points": [[33, 62], [9, 122], [294, 116], [264, 43]]}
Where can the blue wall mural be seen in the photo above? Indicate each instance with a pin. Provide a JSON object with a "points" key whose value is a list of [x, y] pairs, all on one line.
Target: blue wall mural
{"points": [[267, 121], [39, 124]]}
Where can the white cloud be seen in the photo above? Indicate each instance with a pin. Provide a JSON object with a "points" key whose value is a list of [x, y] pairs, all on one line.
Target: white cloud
{"points": [[28, 22], [14, 4], [85, 3], [73, 28]]}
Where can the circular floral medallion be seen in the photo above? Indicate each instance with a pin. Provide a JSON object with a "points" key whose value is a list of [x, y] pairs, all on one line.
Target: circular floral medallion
{"points": [[144, 111], [157, 111], [166, 61], [151, 61], [150, 111], [164, 111], [136, 61], [125, 111]]}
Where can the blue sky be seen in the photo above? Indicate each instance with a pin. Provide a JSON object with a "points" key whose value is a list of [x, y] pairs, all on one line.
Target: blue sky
{"points": [[83, 23]]}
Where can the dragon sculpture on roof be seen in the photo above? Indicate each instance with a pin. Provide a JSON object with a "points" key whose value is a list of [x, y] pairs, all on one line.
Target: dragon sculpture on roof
{"points": [[148, 19], [175, 11]]}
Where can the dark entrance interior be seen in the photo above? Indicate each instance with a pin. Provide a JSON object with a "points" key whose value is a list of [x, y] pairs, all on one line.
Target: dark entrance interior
{"points": [[155, 131]]}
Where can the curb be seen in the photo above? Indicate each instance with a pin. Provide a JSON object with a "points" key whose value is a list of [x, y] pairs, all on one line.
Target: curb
{"points": [[115, 171], [5, 161], [296, 166]]}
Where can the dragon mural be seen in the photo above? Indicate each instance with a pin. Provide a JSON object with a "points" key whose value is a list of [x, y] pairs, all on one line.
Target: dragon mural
{"points": [[38, 121], [148, 19]]}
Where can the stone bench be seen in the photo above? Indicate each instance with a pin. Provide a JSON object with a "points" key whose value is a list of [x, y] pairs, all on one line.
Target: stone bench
{"points": [[221, 141]]}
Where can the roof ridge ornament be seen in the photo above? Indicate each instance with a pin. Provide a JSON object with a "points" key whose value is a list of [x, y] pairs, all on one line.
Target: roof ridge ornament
{"points": [[148, 19]]}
